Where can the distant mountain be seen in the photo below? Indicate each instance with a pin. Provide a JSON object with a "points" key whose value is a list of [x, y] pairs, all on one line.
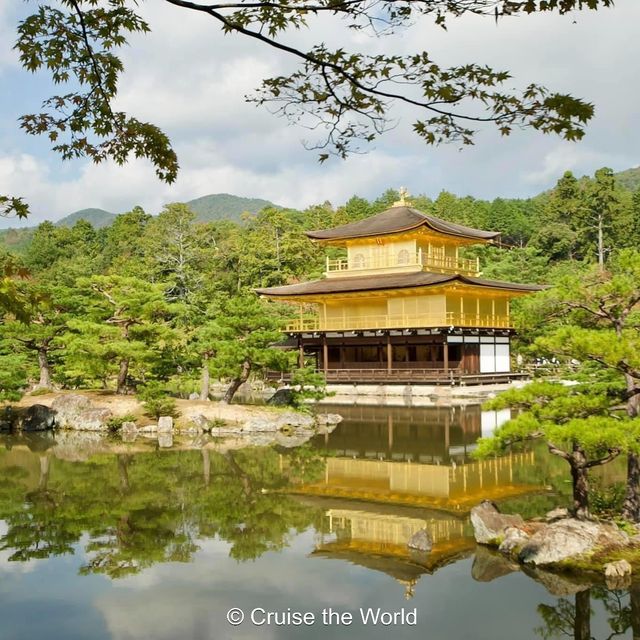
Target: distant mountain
{"points": [[224, 206], [629, 179], [97, 217]]}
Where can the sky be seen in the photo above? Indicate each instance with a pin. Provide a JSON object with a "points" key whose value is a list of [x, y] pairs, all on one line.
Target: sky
{"points": [[190, 79]]}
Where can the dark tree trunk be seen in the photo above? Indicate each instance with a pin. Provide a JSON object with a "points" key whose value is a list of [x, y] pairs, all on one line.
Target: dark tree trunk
{"points": [[205, 380], [580, 479], [582, 624], [122, 376], [631, 505], [45, 371], [237, 382]]}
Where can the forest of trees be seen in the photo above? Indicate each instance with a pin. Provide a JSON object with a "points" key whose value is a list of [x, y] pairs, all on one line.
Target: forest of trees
{"points": [[164, 300]]}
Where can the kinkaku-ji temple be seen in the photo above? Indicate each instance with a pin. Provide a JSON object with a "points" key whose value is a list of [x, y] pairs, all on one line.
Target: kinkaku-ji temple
{"points": [[402, 304]]}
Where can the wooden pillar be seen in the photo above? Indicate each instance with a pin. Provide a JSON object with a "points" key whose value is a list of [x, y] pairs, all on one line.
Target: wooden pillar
{"points": [[390, 434], [389, 353], [446, 355], [300, 354], [325, 353]]}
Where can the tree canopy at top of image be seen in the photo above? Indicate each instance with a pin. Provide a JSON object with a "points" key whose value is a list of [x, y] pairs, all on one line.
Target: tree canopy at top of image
{"points": [[344, 96]]}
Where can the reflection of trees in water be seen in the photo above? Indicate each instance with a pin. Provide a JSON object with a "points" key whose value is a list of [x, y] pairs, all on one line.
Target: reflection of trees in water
{"points": [[148, 508], [573, 619]]}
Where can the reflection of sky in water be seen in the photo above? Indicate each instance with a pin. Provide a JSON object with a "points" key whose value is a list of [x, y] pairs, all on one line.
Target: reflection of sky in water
{"points": [[358, 559], [170, 601]]}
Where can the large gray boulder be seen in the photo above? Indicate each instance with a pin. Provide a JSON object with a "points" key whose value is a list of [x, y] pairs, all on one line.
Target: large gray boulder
{"points": [[288, 419], [569, 538], [77, 412], [38, 417], [489, 524], [282, 397], [8, 419], [514, 539]]}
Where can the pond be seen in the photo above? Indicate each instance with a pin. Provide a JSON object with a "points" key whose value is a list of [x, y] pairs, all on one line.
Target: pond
{"points": [[118, 541]]}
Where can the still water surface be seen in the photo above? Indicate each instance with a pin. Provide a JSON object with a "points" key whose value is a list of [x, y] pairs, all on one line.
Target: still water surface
{"points": [[123, 541]]}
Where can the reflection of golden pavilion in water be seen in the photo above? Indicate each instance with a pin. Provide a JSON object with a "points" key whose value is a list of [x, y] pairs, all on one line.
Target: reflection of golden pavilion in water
{"points": [[408, 470], [376, 538], [417, 458]]}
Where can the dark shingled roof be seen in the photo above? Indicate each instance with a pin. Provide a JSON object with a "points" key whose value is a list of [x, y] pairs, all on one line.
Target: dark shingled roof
{"points": [[389, 281], [399, 219]]}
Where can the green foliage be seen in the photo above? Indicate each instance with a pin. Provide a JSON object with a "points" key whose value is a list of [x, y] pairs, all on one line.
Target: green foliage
{"points": [[131, 512], [347, 95], [156, 400], [115, 424], [14, 372], [607, 499], [307, 384], [97, 218], [224, 206]]}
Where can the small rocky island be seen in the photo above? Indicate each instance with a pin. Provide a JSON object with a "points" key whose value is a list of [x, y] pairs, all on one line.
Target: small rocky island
{"points": [[104, 414], [559, 542]]}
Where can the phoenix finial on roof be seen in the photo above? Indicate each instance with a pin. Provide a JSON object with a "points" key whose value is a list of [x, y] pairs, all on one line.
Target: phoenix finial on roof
{"points": [[403, 202]]}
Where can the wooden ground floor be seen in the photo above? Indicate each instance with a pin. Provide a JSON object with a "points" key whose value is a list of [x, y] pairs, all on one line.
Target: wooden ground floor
{"points": [[406, 356]]}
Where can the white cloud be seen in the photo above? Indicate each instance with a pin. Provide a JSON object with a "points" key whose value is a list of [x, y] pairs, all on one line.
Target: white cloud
{"points": [[190, 79]]}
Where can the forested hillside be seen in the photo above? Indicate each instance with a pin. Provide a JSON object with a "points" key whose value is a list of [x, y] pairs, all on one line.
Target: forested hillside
{"points": [[97, 217], [224, 206], [163, 302]]}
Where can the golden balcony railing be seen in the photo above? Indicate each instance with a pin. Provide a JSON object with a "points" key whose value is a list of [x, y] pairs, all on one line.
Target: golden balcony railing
{"points": [[420, 259], [359, 323]]}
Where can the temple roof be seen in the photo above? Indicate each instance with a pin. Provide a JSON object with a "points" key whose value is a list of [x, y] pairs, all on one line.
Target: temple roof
{"points": [[398, 219], [389, 281]]}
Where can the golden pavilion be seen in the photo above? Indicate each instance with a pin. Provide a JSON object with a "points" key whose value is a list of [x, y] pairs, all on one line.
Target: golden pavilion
{"points": [[403, 305]]}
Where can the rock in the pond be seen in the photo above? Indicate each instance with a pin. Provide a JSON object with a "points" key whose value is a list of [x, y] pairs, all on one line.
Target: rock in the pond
{"points": [[420, 541], [165, 424], [489, 524], [200, 422], [165, 439], [328, 418], [489, 565], [569, 538], [38, 417], [74, 411], [194, 396], [327, 422], [558, 513], [617, 569], [617, 575], [128, 431], [277, 422], [514, 538], [291, 440], [148, 428], [281, 398]]}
